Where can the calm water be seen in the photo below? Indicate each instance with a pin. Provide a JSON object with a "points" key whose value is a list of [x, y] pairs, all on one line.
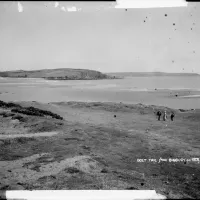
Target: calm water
{"points": [[128, 90]]}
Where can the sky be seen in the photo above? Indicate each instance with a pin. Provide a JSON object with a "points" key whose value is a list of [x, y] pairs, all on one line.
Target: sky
{"points": [[99, 36]]}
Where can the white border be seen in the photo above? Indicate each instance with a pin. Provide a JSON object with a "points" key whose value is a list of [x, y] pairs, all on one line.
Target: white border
{"points": [[84, 194], [150, 3]]}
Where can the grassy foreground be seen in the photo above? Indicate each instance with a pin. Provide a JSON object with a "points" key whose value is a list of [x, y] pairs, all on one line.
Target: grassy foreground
{"points": [[78, 145]]}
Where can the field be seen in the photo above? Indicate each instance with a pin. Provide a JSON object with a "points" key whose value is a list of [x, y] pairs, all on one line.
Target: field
{"points": [[97, 146]]}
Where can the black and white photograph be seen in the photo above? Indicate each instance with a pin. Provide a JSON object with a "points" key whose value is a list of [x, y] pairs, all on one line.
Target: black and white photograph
{"points": [[100, 96]]}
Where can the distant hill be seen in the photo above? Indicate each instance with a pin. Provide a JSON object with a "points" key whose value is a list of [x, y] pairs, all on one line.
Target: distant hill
{"points": [[146, 74], [58, 74]]}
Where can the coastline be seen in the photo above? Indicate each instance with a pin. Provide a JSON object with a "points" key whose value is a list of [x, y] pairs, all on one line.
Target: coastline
{"points": [[191, 96], [58, 74], [58, 93], [97, 146], [97, 90]]}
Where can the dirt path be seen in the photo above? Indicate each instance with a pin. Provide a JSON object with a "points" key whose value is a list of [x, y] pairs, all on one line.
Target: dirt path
{"points": [[42, 134]]}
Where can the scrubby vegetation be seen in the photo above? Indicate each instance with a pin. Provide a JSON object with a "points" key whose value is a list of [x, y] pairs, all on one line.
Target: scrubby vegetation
{"points": [[8, 105], [6, 114], [16, 108], [36, 112]]}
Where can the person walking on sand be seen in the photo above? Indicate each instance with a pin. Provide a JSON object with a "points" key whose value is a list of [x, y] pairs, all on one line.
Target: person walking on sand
{"points": [[165, 116], [159, 115], [172, 116]]}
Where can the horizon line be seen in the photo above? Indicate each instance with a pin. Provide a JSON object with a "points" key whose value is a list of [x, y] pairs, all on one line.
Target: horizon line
{"points": [[102, 71]]}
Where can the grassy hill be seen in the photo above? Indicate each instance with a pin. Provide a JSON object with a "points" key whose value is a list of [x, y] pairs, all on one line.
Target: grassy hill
{"points": [[61, 74]]}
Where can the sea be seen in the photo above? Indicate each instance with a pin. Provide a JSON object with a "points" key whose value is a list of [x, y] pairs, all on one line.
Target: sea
{"points": [[181, 92]]}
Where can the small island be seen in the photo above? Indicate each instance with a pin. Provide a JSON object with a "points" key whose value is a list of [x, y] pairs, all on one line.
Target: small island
{"points": [[59, 74]]}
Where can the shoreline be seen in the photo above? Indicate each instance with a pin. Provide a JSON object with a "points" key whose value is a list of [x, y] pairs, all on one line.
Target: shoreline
{"points": [[170, 101], [92, 91], [191, 96]]}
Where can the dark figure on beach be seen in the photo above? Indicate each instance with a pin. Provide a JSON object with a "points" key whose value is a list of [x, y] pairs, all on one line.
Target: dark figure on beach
{"points": [[159, 115], [172, 116]]}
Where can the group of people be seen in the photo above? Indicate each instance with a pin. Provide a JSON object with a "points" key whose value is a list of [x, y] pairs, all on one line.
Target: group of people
{"points": [[172, 115]]}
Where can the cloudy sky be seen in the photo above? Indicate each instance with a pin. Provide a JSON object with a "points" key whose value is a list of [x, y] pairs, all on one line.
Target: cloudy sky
{"points": [[38, 35]]}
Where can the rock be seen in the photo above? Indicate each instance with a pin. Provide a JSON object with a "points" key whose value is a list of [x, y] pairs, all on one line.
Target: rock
{"points": [[114, 115], [18, 117], [86, 147], [16, 187], [104, 171], [72, 170], [182, 110], [131, 188], [2, 194]]}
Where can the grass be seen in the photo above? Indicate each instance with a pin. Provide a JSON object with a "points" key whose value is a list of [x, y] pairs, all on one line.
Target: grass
{"points": [[114, 144]]}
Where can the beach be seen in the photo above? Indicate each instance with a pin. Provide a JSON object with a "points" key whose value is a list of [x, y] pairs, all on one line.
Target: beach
{"points": [[99, 146], [161, 91]]}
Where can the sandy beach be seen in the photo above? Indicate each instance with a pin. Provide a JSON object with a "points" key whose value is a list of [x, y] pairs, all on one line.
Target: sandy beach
{"points": [[100, 146], [146, 90]]}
